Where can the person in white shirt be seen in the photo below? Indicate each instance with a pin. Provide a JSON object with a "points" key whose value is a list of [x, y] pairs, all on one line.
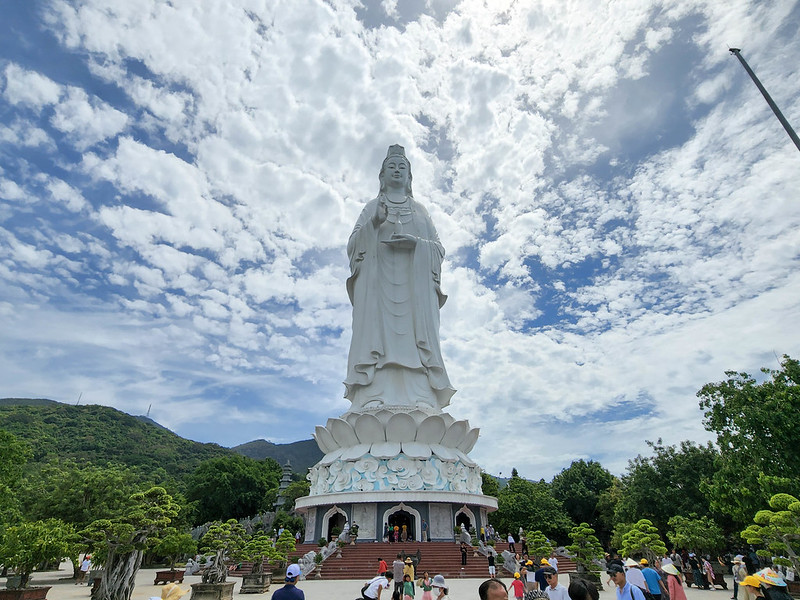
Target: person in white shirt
{"points": [[376, 585], [553, 562], [634, 574], [554, 590]]}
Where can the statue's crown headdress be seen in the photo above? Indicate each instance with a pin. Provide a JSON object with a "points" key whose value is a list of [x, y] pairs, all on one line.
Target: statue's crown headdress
{"points": [[396, 150]]}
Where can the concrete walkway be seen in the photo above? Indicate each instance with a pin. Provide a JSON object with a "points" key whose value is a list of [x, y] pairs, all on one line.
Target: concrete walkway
{"points": [[64, 588]]}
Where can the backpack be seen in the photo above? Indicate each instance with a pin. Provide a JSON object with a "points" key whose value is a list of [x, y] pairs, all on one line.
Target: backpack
{"points": [[647, 594]]}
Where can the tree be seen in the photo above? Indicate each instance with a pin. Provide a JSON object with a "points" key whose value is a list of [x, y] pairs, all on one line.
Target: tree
{"points": [[284, 546], [288, 522], [232, 487], [120, 542], [606, 510], [258, 548], [666, 484], [643, 541], [295, 490], [700, 533], [585, 547], [778, 530], [530, 505], [173, 543], [223, 539], [756, 425], [27, 545], [79, 494], [13, 456], [618, 534], [578, 488], [489, 485], [539, 546]]}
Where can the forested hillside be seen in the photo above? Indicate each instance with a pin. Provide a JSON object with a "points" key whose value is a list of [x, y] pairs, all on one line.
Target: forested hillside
{"points": [[101, 434]]}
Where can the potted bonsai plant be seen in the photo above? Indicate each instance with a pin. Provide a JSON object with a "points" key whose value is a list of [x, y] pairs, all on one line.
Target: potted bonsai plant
{"points": [[222, 540], [586, 549], [284, 546], [353, 534], [335, 533], [257, 549], [29, 544], [172, 545], [318, 558]]}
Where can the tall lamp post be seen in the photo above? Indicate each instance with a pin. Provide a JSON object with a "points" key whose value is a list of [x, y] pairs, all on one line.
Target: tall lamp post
{"points": [[737, 53]]}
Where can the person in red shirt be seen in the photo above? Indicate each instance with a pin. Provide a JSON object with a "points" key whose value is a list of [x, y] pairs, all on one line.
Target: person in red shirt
{"points": [[382, 566], [518, 587]]}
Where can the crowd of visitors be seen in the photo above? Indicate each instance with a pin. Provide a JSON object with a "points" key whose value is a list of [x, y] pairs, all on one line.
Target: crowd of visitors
{"points": [[667, 576]]}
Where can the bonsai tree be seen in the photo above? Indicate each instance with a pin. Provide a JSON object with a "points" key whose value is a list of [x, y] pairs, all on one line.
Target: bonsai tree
{"points": [[353, 533], [643, 540], [222, 540], [284, 545], [174, 544], [257, 549], [778, 530], [585, 548], [538, 545], [120, 543], [27, 545]]}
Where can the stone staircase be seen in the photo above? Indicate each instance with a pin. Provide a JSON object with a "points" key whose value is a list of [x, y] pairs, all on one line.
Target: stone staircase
{"points": [[361, 561]]}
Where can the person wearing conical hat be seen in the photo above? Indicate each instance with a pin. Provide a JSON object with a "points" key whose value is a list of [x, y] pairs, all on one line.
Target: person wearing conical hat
{"points": [[674, 582], [633, 574], [408, 569]]}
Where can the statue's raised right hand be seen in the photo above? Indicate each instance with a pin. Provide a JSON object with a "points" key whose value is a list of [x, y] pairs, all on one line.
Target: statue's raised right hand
{"points": [[381, 212]]}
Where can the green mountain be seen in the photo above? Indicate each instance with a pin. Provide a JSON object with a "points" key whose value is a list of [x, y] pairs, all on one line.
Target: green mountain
{"points": [[101, 434], [104, 434], [300, 455]]}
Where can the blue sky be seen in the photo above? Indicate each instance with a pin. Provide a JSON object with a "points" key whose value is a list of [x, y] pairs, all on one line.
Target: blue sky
{"points": [[619, 207]]}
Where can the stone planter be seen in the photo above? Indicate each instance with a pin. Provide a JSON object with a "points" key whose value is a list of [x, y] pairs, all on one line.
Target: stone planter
{"points": [[30, 593], [212, 591], [168, 577], [255, 583], [13, 581]]}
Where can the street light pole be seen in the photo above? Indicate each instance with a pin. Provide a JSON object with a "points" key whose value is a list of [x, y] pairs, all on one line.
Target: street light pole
{"points": [[737, 53]]}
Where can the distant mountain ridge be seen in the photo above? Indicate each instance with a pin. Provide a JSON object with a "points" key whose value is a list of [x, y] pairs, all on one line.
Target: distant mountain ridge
{"points": [[300, 455], [101, 433]]}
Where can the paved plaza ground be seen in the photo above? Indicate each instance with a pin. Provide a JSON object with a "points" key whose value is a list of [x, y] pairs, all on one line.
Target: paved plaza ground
{"points": [[460, 589]]}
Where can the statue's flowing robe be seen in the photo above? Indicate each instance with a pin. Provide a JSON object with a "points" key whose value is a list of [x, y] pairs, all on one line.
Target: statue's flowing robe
{"points": [[395, 356]]}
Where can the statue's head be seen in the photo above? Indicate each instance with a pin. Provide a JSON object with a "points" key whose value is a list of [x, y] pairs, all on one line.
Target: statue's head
{"points": [[395, 152]]}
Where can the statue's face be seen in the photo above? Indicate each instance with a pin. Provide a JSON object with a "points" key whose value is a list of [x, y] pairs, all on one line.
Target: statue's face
{"points": [[395, 173]]}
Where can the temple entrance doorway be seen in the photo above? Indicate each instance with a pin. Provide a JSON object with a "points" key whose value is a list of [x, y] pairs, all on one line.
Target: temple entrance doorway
{"points": [[400, 518], [463, 519], [336, 521]]}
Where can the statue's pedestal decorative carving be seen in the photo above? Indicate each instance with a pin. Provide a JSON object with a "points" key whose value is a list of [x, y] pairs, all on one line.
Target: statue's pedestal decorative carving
{"points": [[395, 464]]}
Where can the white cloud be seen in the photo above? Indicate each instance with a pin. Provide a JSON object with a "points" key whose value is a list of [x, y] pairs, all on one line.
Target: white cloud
{"points": [[86, 120], [621, 225], [29, 88]]}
